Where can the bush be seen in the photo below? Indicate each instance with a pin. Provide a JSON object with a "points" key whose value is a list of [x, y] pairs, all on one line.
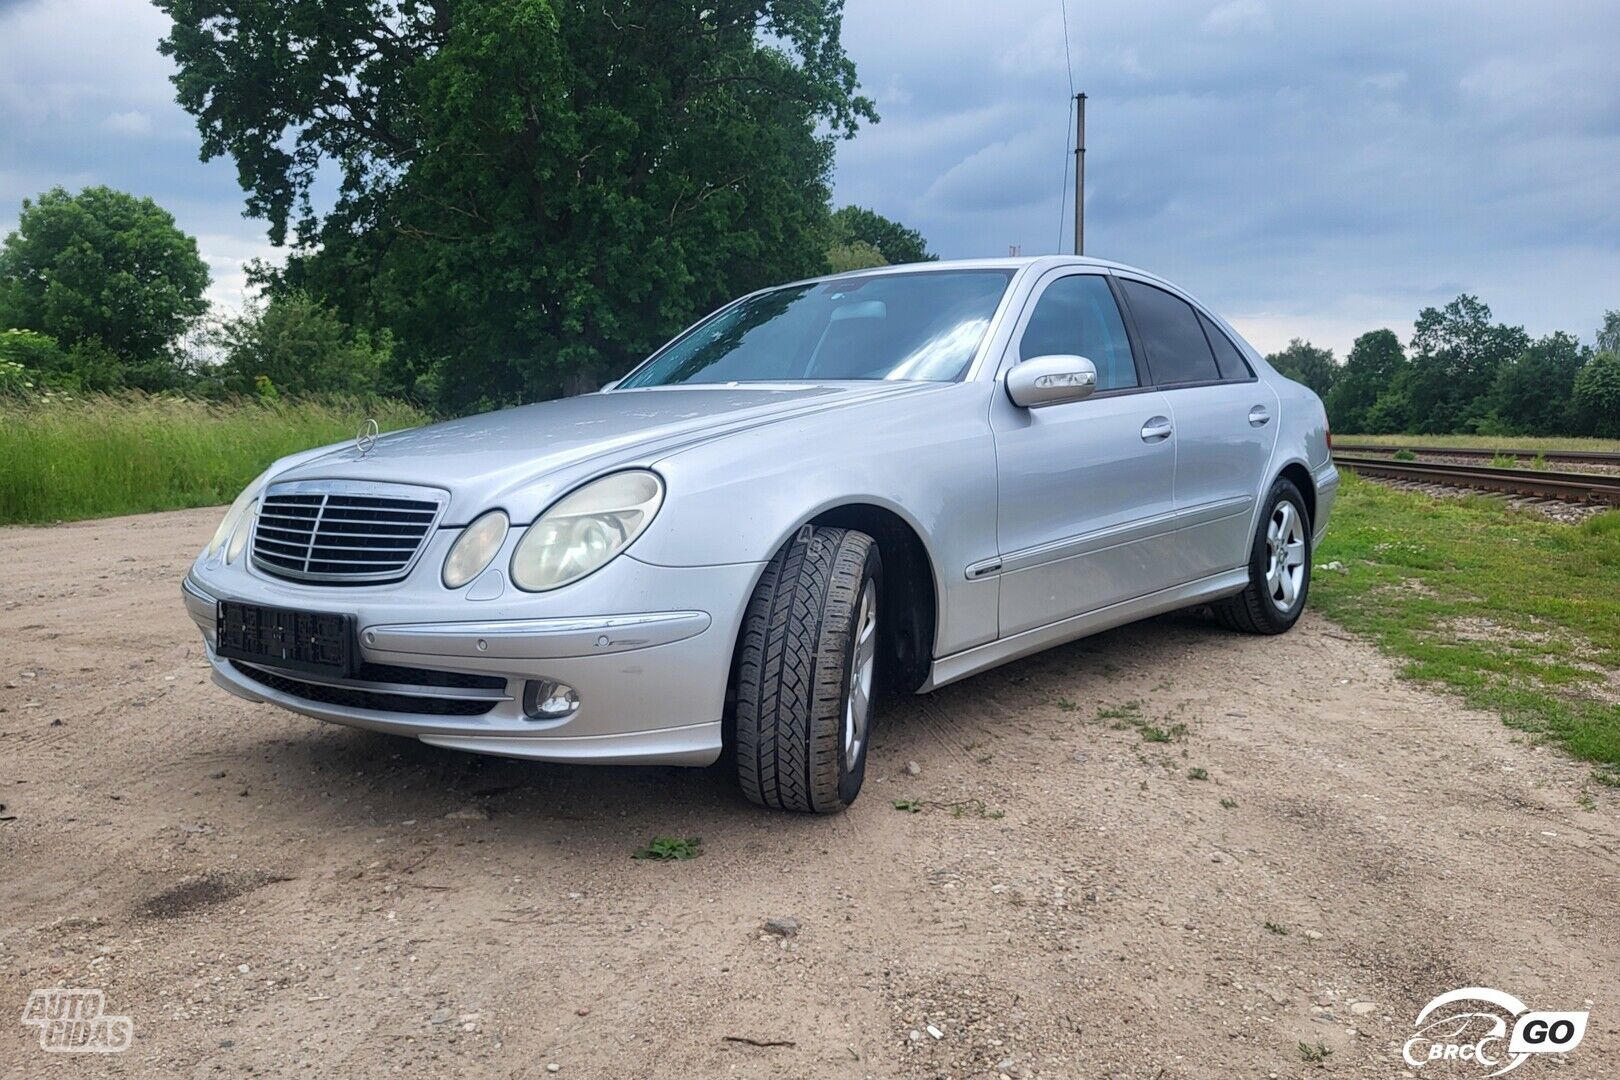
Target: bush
{"points": [[296, 346]]}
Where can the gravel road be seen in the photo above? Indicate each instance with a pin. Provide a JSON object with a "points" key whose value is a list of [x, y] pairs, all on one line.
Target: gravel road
{"points": [[266, 894]]}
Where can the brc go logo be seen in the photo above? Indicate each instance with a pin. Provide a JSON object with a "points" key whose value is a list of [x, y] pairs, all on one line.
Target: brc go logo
{"points": [[74, 1021], [1480, 1037]]}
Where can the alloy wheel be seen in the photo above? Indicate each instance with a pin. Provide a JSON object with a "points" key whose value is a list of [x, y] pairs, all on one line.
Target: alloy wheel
{"points": [[863, 660], [1285, 556]]}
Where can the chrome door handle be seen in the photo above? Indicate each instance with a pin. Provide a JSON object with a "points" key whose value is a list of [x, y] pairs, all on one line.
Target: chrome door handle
{"points": [[1157, 429], [1259, 417]]}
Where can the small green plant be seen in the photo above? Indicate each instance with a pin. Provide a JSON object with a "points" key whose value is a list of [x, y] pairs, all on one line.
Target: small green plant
{"points": [[1153, 734], [974, 808], [1127, 711], [671, 849], [1228, 804], [1539, 462], [1314, 1055], [1067, 705], [1404, 455], [909, 806], [1504, 461], [1197, 773], [1276, 928]]}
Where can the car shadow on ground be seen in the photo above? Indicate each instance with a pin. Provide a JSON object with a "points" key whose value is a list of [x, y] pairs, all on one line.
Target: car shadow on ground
{"points": [[383, 779]]}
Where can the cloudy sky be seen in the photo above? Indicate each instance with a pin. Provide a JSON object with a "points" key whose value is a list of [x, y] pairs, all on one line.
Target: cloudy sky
{"points": [[1309, 169]]}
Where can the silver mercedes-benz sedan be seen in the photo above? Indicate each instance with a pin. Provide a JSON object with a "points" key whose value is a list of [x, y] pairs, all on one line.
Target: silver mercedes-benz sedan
{"points": [[892, 478]]}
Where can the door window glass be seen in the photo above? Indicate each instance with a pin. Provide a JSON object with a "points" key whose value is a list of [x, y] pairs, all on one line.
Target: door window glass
{"points": [[1077, 316], [1177, 351], [1227, 357]]}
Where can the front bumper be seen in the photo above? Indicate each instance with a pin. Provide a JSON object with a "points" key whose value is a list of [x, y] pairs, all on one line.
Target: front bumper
{"points": [[651, 684]]}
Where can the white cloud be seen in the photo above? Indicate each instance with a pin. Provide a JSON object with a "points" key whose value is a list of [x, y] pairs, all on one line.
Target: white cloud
{"points": [[1239, 17], [133, 122]]}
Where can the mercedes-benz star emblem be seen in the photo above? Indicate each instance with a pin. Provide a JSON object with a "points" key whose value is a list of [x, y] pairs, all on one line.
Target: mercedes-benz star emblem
{"points": [[366, 438]]}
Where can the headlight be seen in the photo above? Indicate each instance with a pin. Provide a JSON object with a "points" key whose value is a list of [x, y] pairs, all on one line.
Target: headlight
{"points": [[478, 543], [586, 529], [234, 515], [244, 529]]}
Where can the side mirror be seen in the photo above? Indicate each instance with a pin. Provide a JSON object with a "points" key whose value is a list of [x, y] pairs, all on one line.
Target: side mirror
{"points": [[1051, 380], [610, 384]]}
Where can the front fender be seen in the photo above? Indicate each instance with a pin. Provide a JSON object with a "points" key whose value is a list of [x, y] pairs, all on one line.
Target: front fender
{"points": [[927, 457]]}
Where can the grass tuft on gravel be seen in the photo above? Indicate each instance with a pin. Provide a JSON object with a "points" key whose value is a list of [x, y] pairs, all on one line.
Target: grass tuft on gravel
{"points": [[100, 456], [670, 849], [1516, 613]]}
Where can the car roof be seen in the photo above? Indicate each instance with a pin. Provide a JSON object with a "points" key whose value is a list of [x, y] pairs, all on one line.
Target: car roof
{"points": [[1036, 263]]}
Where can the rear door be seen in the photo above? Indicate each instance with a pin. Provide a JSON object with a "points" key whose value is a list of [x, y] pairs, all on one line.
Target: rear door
{"points": [[1224, 422], [1085, 489]]}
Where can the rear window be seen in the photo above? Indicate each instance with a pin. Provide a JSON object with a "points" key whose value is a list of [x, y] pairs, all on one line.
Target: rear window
{"points": [[1177, 351]]}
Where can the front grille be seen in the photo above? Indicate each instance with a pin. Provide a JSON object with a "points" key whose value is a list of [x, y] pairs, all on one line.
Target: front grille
{"points": [[360, 697], [343, 533]]}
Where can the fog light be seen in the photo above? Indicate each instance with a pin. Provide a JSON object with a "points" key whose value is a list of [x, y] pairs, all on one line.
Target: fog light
{"points": [[548, 699]]}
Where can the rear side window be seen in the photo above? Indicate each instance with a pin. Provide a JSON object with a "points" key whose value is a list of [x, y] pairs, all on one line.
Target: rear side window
{"points": [[1227, 357], [1177, 351], [1077, 316]]}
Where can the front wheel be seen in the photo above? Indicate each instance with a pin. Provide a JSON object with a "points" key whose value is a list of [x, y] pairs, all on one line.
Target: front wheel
{"points": [[1279, 567], [806, 670]]}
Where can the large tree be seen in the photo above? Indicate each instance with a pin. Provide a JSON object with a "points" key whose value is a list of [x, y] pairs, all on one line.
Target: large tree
{"points": [[1457, 353], [530, 193], [1370, 371], [102, 266], [1532, 394]]}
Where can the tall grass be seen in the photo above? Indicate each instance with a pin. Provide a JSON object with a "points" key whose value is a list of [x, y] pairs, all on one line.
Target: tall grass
{"points": [[98, 456], [1483, 443]]}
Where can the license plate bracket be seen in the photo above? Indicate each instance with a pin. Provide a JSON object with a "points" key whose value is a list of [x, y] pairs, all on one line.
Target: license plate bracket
{"points": [[314, 641]]}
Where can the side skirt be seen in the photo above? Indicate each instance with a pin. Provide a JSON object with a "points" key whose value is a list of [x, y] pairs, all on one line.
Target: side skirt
{"points": [[960, 665]]}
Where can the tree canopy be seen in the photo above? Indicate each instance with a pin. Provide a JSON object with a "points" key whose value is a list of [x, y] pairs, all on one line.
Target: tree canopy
{"points": [[1373, 366], [530, 193], [103, 271], [1305, 363], [856, 227]]}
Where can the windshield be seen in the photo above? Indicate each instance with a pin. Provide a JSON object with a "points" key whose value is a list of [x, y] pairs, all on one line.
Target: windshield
{"points": [[922, 327]]}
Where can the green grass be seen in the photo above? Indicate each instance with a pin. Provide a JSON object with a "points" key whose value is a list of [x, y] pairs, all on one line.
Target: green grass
{"points": [[1514, 612], [1485, 443], [100, 456]]}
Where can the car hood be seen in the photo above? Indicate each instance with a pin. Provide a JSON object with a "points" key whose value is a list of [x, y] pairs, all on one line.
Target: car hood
{"points": [[521, 459]]}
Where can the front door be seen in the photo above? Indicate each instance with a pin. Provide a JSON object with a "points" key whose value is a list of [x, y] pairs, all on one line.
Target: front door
{"points": [[1085, 500]]}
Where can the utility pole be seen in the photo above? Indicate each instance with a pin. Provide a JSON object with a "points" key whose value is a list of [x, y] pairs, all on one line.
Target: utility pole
{"points": [[1079, 174]]}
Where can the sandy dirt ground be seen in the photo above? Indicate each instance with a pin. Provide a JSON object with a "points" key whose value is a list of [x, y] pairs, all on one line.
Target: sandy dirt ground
{"points": [[268, 895]]}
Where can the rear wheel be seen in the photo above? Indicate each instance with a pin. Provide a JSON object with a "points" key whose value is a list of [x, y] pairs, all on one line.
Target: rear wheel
{"points": [[1279, 567], [806, 670]]}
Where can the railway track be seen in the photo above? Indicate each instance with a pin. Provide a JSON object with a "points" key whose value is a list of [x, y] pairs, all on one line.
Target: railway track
{"points": [[1572, 457], [1564, 486]]}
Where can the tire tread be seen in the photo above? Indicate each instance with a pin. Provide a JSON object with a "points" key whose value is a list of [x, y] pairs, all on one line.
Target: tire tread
{"points": [[790, 671]]}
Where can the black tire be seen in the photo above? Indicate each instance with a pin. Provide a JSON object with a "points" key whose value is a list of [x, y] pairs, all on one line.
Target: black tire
{"points": [[1255, 610], [793, 673]]}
